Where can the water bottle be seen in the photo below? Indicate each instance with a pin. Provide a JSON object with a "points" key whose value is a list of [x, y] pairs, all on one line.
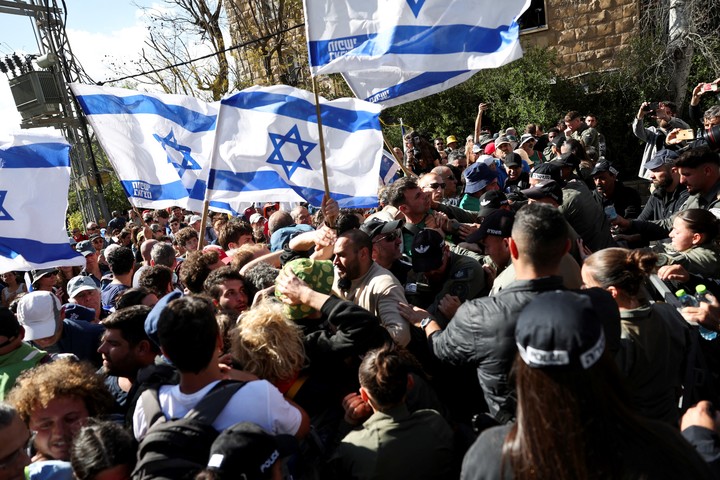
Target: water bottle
{"points": [[701, 296], [685, 299]]}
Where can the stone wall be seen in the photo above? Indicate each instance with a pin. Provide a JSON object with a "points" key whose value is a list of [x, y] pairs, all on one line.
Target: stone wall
{"points": [[587, 35]]}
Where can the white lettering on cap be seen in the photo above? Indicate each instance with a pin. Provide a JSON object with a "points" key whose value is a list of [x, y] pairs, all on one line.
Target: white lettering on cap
{"points": [[270, 461], [216, 460], [541, 176], [422, 249], [492, 231]]}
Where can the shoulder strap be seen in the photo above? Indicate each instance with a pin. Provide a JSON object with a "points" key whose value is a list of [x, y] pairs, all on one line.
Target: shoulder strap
{"points": [[151, 406], [210, 406]]}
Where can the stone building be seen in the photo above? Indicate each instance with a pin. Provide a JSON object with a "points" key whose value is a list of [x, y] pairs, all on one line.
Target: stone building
{"points": [[586, 34]]}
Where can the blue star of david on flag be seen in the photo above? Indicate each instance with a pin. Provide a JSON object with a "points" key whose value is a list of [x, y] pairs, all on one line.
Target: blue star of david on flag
{"points": [[415, 6], [4, 214], [292, 137], [182, 162]]}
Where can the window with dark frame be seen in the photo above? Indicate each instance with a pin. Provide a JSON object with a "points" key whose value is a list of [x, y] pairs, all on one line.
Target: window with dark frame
{"points": [[534, 16]]}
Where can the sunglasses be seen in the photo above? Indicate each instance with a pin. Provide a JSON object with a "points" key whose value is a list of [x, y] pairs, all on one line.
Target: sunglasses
{"points": [[434, 186], [390, 237]]}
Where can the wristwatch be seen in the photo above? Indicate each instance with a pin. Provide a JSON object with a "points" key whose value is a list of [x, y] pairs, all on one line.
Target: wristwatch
{"points": [[425, 322]]}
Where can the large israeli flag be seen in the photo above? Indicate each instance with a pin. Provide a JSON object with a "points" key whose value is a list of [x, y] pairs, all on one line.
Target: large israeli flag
{"points": [[34, 182], [395, 51], [413, 35], [159, 145], [267, 149]]}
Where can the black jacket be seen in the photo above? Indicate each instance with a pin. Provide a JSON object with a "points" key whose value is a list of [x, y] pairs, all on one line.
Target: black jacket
{"points": [[482, 333]]}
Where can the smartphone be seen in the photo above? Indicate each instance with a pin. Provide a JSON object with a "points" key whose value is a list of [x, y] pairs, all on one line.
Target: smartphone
{"points": [[710, 87], [686, 134], [651, 107]]}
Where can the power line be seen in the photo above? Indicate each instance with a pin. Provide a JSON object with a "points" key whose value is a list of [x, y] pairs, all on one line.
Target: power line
{"points": [[187, 62]]}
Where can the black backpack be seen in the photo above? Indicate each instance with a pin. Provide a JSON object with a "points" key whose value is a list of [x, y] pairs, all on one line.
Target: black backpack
{"points": [[179, 448]]}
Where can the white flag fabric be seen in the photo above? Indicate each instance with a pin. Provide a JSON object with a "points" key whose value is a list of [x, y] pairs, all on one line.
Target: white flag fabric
{"points": [[412, 35], [267, 149], [390, 86], [34, 182], [159, 145]]}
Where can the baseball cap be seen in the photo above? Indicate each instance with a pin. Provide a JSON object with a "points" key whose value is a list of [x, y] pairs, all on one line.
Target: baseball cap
{"points": [[256, 217], [36, 275], [478, 176], [477, 148], [498, 223], [247, 451], [450, 139], [491, 201], [662, 157], [375, 227], [558, 141], [194, 219], [151, 321], [427, 250], [545, 189], [489, 148], [78, 312], [512, 159], [78, 284], [38, 312], [603, 166], [222, 255], [526, 138], [547, 171], [561, 330], [567, 159], [500, 140]]}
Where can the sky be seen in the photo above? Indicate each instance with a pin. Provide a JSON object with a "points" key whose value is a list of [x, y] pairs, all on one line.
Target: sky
{"points": [[99, 31]]}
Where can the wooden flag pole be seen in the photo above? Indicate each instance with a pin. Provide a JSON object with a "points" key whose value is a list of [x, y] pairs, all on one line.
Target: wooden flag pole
{"points": [[321, 138], [408, 173]]}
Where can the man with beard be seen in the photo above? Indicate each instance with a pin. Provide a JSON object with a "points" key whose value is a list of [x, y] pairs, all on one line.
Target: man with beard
{"points": [[365, 283], [386, 239], [655, 136], [517, 178], [125, 350]]}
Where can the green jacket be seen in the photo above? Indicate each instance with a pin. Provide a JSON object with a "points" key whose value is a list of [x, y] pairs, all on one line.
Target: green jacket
{"points": [[701, 260]]}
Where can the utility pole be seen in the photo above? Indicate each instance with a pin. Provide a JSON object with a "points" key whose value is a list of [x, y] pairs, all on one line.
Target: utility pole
{"points": [[43, 98]]}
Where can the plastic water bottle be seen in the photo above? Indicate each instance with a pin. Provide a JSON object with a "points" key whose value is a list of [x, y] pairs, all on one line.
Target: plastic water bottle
{"points": [[685, 299], [701, 296]]}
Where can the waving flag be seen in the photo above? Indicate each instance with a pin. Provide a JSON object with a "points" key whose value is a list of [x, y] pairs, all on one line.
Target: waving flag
{"points": [[267, 149], [159, 145], [34, 182], [389, 168], [395, 51]]}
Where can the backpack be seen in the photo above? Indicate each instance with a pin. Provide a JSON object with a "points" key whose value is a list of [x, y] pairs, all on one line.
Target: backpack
{"points": [[178, 448]]}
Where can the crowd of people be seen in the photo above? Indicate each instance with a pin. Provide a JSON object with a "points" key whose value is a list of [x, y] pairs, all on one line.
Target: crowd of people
{"points": [[503, 313]]}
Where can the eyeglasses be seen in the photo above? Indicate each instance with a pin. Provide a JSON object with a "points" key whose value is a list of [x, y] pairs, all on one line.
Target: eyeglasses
{"points": [[390, 237], [434, 186]]}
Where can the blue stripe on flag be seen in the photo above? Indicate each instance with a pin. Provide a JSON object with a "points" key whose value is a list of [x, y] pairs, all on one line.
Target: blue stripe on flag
{"points": [[189, 119], [36, 252], [415, 40], [415, 84], [294, 107], [152, 192], [36, 155], [269, 180]]}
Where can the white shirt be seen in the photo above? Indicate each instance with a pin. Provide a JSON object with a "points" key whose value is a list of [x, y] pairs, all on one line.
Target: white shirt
{"points": [[257, 402]]}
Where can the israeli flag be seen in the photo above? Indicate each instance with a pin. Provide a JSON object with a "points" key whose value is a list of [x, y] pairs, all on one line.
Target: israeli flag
{"points": [[268, 149], [34, 183], [413, 35], [389, 168], [159, 145]]}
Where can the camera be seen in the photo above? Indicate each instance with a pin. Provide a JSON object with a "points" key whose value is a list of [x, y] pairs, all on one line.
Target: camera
{"points": [[712, 137], [651, 107]]}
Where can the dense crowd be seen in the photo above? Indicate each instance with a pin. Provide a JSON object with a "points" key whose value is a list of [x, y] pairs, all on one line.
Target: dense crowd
{"points": [[511, 309]]}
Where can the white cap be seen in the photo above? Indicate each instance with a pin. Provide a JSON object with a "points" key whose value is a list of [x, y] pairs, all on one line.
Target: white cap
{"points": [[38, 312]]}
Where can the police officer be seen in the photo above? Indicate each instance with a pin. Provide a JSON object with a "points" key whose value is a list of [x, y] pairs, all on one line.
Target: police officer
{"points": [[450, 278]]}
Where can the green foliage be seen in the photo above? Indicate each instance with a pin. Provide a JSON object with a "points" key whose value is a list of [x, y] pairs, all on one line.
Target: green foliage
{"points": [[75, 220], [522, 92]]}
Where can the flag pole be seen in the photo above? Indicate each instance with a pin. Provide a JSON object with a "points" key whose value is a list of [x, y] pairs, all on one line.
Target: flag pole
{"points": [[408, 173], [321, 137]]}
